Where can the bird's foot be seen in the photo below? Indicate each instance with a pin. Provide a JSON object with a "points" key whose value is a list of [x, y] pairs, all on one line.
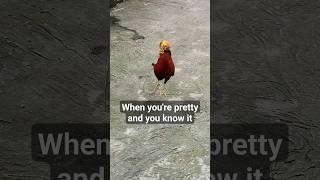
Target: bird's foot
{"points": [[163, 93], [157, 86], [165, 90]]}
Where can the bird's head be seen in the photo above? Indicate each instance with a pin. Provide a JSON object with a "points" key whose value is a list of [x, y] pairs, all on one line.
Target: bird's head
{"points": [[164, 45]]}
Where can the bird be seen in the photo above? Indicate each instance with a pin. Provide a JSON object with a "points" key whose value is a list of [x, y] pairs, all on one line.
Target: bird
{"points": [[164, 68]]}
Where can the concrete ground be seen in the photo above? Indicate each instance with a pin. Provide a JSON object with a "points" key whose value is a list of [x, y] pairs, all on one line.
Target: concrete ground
{"points": [[266, 70], [160, 151], [52, 70]]}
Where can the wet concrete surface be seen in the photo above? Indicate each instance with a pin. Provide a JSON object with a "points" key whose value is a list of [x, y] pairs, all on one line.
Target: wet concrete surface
{"points": [[160, 151], [52, 70], [265, 67]]}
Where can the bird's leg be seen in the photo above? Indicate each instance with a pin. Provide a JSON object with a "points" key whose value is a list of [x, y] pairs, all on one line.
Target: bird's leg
{"points": [[165, 89], [163, 92], [157, 86]]}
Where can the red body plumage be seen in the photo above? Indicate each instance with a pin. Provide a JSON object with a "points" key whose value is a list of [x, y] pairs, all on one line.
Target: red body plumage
{"points": [[164, 68]]}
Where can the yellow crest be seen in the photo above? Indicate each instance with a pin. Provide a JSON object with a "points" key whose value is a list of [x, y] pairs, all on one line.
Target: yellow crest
{"points": [[165, 44]]}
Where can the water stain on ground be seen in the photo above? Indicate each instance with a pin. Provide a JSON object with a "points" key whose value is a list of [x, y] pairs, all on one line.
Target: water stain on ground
{"points": [[116, 22]]}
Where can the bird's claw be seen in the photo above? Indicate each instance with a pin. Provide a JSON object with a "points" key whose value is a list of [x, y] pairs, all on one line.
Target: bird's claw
{"points": [[163, 93]]}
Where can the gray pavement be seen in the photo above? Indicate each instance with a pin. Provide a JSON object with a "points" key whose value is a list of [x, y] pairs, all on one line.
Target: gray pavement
{"points": [[52, 70], [266, 70], [160, 151]]}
